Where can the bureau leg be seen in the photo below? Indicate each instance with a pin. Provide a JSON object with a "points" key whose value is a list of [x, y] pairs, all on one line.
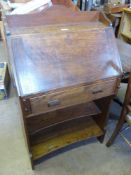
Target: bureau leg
{"points": [[103, 105], [101, 138], [26, 132], [101, 120]]}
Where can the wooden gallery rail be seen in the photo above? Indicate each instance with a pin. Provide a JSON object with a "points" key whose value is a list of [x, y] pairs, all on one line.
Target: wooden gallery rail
{"points": [[66, 68]]}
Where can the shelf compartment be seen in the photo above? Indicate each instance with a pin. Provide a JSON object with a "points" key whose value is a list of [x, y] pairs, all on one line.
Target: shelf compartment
{"points": [[127, 35], [37, 123], [125, 26], [81, 131]]}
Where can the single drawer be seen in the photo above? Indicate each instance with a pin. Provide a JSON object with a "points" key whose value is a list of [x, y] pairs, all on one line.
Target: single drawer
{"points": [[73, 96]]}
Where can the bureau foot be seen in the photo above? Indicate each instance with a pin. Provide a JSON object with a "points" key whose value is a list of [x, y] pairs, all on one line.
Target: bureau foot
{"points": [[101, 138]]}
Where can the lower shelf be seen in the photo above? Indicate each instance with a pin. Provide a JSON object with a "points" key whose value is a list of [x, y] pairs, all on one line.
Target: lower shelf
{"points": [[127, 35], [83, 132]]}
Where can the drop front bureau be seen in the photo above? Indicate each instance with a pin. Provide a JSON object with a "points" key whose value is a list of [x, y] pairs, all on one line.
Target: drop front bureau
{"points": [[66, 68]]}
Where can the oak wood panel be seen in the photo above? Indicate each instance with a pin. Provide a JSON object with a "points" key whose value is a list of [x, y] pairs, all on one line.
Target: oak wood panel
{"points": [[59, 129], [37, 122], [45, 62], [57, 14], [85, 131], [57, 27], [73, 96]]}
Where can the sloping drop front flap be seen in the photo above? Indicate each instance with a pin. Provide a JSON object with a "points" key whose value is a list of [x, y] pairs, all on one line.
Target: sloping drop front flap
{"points": [[64, 57]]}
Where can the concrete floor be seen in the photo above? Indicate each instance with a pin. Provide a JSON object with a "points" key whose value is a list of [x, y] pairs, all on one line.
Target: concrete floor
{"points": [[90, 159]]}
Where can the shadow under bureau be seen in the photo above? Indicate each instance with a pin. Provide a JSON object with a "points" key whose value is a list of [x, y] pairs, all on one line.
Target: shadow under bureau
{"points": [[66, 73]]}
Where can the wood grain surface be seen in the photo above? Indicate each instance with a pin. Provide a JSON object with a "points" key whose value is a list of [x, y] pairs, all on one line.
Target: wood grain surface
{"points": [[62, 99], [57, 14], [89, 129], [36, 123], [64, 58]]}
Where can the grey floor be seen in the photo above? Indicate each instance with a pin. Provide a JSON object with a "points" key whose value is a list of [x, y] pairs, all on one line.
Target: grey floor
{"points": [[89, 159]]}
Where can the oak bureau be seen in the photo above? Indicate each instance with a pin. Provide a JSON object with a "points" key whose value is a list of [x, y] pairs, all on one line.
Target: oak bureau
{"points": [[66, 68]]}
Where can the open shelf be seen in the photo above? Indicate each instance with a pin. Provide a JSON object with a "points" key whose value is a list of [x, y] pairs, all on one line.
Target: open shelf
{"points": [[66, 136], [41, 121], [127, 35], [125, 26]]}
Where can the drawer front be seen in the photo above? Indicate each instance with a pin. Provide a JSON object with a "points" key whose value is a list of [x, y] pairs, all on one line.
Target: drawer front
{"points": [[73, 96]]}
